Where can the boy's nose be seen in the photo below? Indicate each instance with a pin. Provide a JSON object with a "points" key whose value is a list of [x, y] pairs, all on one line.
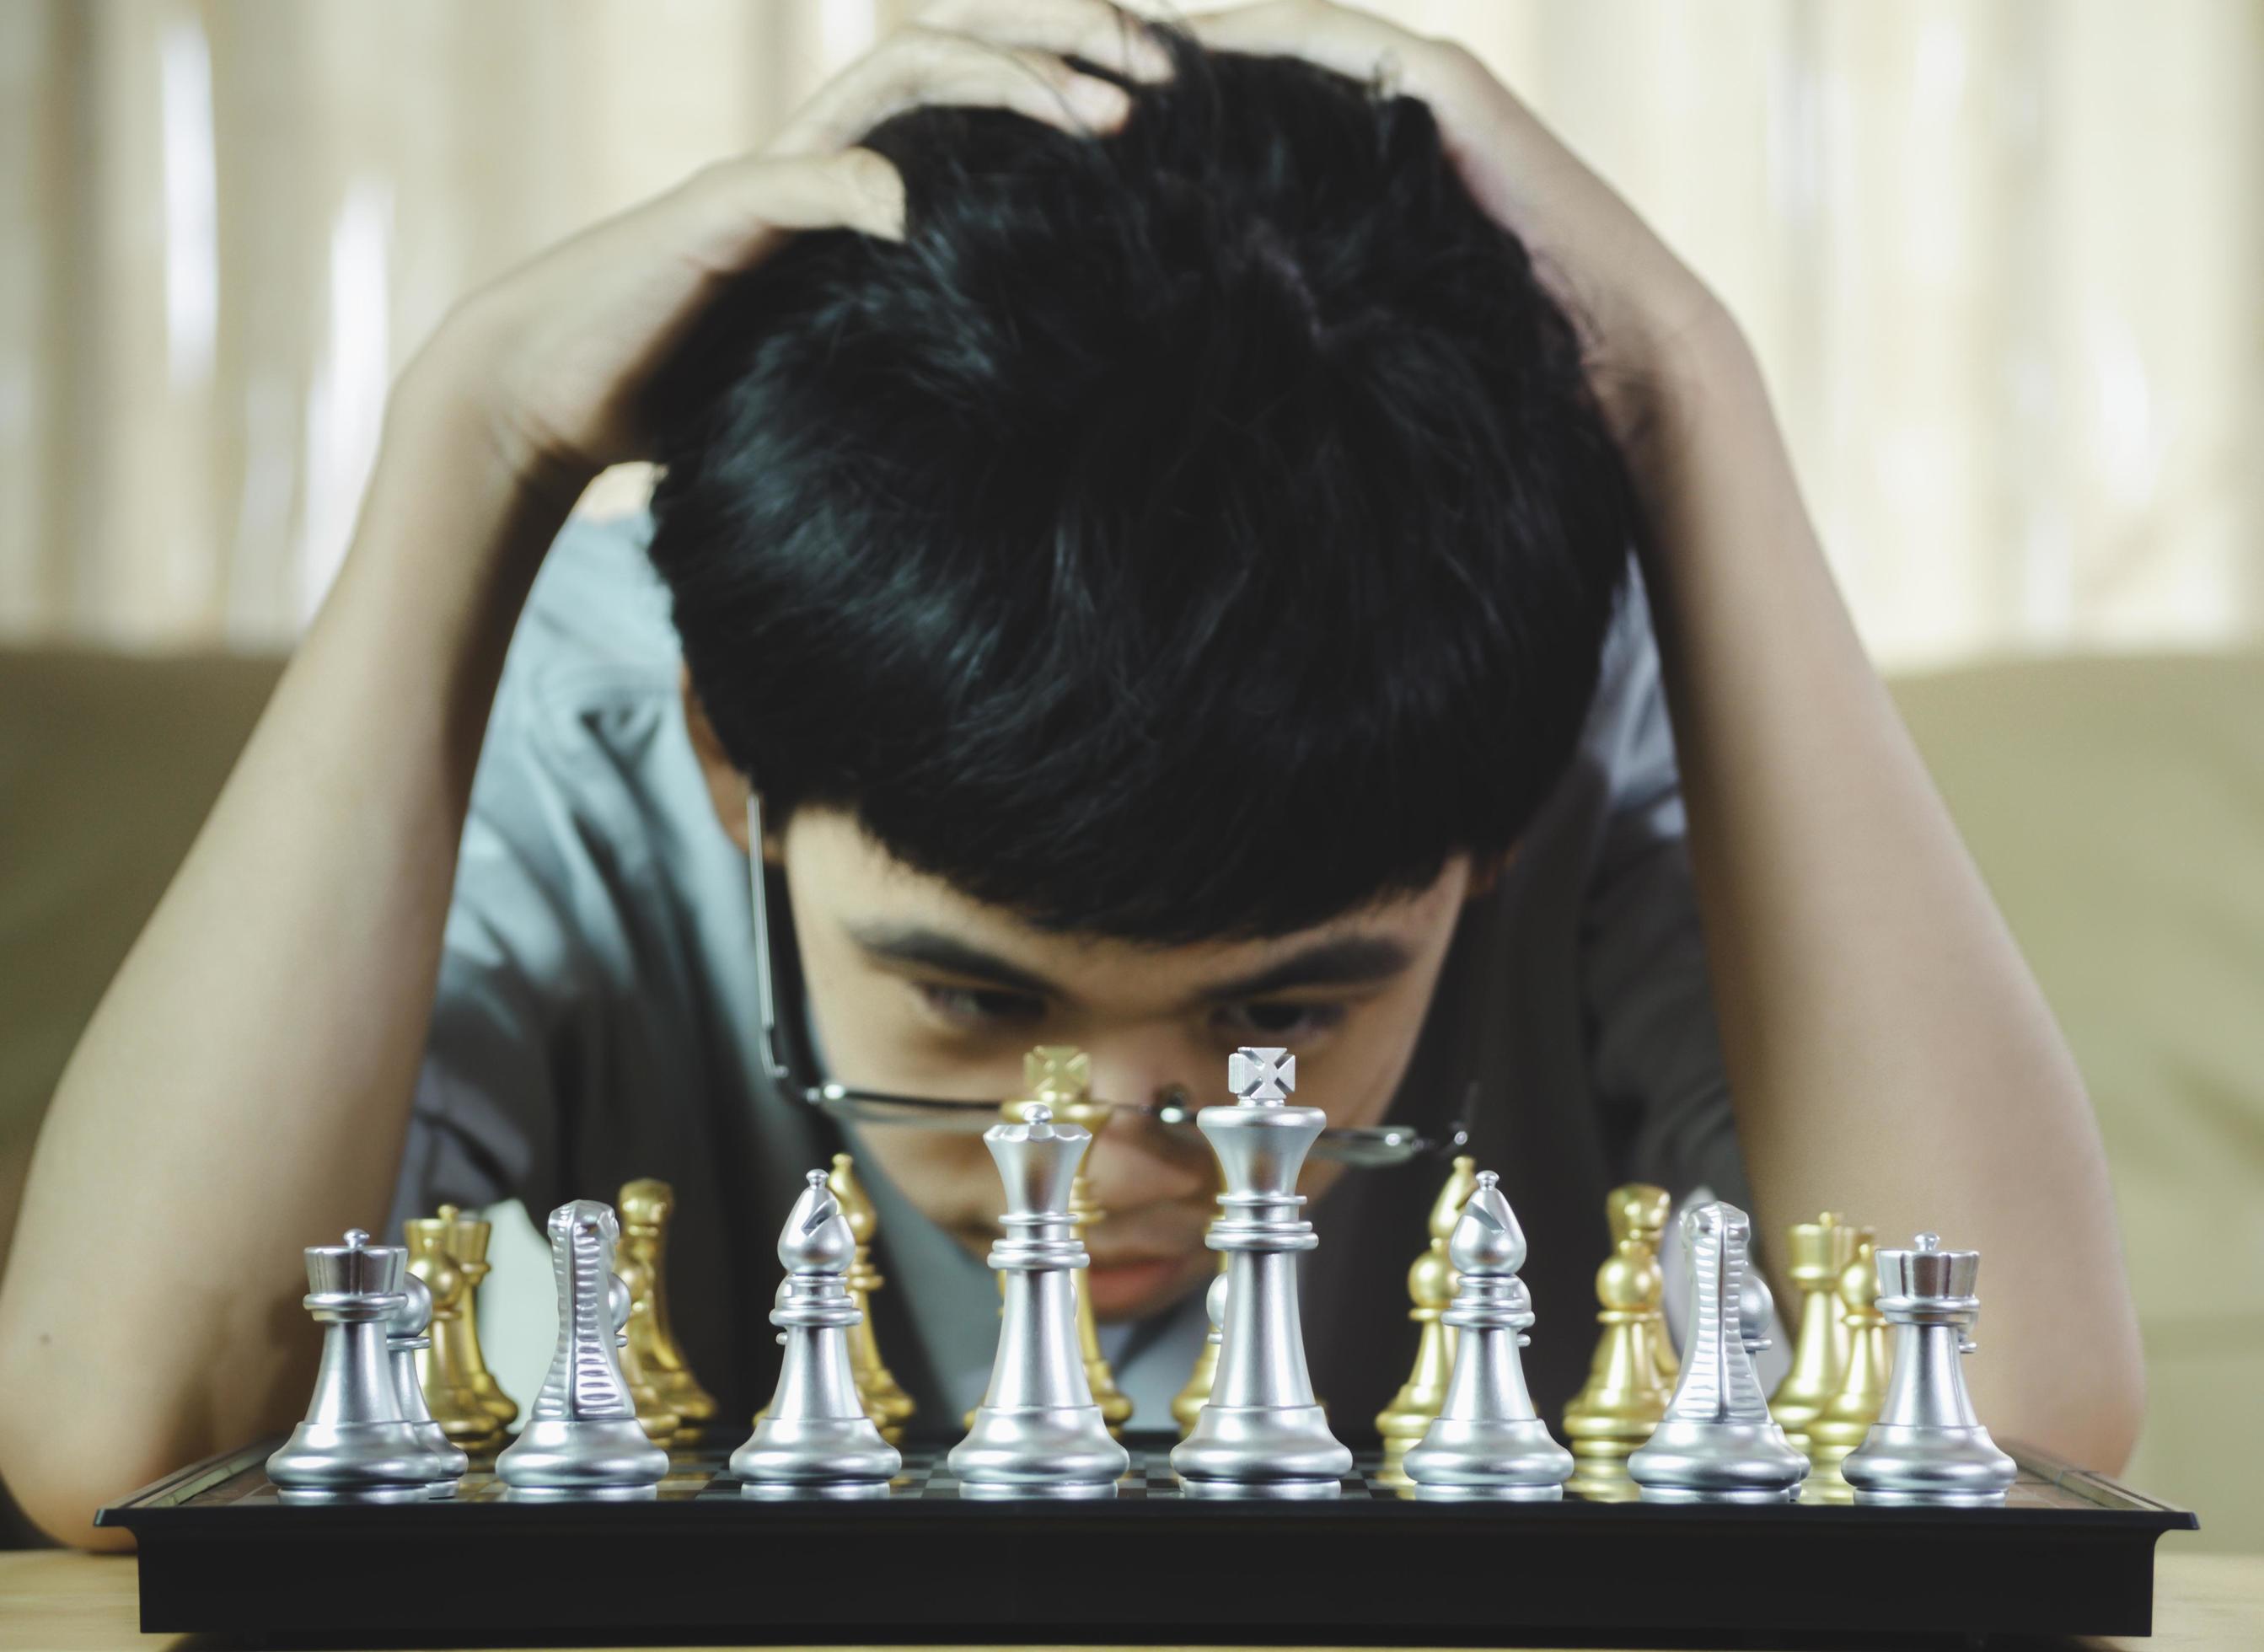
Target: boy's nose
{"points": [[1136, 1160]]}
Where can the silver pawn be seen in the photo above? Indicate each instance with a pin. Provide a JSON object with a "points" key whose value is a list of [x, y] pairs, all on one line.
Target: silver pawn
{"points": [[1038, 1432], [1261, 1428], [356, 1445], [1928, 1445], [1487, 1441], [582, 1437], [405, 1339], [1716, 1443], [816, 1435]]}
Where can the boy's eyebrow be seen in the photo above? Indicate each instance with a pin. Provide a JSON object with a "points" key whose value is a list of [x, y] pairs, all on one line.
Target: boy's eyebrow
{"points": [[932, 949], [1344, 960], [1347, 960]]}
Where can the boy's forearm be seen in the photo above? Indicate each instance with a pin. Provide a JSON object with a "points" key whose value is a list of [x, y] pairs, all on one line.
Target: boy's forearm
{"points": [[1888, 1052], [243, 1089]]}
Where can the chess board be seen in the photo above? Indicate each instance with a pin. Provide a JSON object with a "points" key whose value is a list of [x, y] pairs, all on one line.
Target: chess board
{"points": [[2069, 1553]]}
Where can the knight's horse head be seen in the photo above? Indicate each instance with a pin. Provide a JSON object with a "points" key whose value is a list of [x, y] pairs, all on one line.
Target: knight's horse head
{"points": [[582, 1221]]}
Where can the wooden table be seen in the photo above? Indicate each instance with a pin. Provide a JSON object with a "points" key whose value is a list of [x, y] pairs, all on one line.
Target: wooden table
{"points": [[60, 1599]]}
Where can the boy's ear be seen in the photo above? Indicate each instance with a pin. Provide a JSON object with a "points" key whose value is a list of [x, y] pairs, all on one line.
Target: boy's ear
{"points": [[727, 787]]}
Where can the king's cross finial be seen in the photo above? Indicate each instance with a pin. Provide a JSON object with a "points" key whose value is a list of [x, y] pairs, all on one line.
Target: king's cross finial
{"points": [[1261, 1075], [1057, 1073]]}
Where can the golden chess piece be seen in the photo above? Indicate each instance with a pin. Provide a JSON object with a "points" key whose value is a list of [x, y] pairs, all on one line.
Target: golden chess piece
{"points": [[456, 1406], [1817, 1253], [1627, 1390], [1431, 1288], [646, 1205], [1061, 1077], [885, 1402], [1847, 1417], [467, 1242]]}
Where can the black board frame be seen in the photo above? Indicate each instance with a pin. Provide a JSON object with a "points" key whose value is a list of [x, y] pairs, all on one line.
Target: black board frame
{"points": [[2072, 1553]]}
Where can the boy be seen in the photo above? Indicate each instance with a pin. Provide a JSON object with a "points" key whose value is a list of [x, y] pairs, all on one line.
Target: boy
{"points": [[1161, 575]]}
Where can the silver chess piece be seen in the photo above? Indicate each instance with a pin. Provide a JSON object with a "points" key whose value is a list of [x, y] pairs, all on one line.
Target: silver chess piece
{"points": [[356, 1445], [582, 1437], [406, 1337], [1716, 1443], [1038, 1432], [1487, 1441], [815, 1435], [1928, 1445], [1262, 1430]]}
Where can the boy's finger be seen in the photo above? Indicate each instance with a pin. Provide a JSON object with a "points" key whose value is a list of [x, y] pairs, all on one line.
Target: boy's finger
{"points": [[920, 66], [1101, 33]]}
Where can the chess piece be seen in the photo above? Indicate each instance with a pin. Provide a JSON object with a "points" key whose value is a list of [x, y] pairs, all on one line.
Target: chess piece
{"points": [[1038, 1432], [1187, 1404], [1817, 1251], [356, 1445], [467, 1242], [1431, 1288], [454, 1361], [1060, 1075], [1487, 1441], [654, 1415], [1261, 1427], [462, 1414], [814, 1433], [1847, 1417], [885, 1402], [1716, 1443], [582, 1436], [1928, 1445], [405, 1339], [1625, 1394], [646, 1205]]}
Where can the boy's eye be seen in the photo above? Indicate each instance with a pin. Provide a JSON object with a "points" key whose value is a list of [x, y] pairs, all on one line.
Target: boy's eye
{"points": [[981, 1006], [1275, 1019]]}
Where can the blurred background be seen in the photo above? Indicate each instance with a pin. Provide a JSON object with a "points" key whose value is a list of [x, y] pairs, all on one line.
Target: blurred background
{"points": [[2001, 260]]}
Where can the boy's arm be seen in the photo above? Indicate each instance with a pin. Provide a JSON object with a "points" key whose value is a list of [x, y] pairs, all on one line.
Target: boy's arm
{"points": [[1889, 1054], [243, 1089]]}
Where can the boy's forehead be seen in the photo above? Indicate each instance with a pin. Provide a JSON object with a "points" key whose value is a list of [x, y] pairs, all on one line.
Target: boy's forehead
{"points": [[844, 876]]}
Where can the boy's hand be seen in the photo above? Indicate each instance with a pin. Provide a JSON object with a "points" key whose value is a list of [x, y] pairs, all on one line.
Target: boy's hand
{"points": [[1637, 304], [551, 359]]}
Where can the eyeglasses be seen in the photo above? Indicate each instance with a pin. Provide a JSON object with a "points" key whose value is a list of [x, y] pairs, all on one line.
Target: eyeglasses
{"points": [[791, 1064]]}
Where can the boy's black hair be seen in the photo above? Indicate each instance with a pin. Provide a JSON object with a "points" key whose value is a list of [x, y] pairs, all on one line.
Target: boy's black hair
{"points": [[1188, 533]]}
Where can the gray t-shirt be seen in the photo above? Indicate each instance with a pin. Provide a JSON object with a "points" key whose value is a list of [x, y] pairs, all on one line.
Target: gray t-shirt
{"points": [[595, 1022]]}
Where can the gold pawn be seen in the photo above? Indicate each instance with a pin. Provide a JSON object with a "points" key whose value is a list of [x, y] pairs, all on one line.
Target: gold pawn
{"points": [[1818, 1252], [646, 1205], [1187, 1404], [885, 1402], [1061, 1077], [1841, 1426], [467, 1242], [455, 1406], [1431, 1288], [1627, 1389]]}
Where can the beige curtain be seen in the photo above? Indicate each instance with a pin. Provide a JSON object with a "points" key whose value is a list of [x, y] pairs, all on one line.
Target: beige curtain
{"points": [[2002, 260]]}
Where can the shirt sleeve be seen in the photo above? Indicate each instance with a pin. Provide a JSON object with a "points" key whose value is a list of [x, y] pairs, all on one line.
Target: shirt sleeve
{"points": [[520, 1011], [1655, 1047]]}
